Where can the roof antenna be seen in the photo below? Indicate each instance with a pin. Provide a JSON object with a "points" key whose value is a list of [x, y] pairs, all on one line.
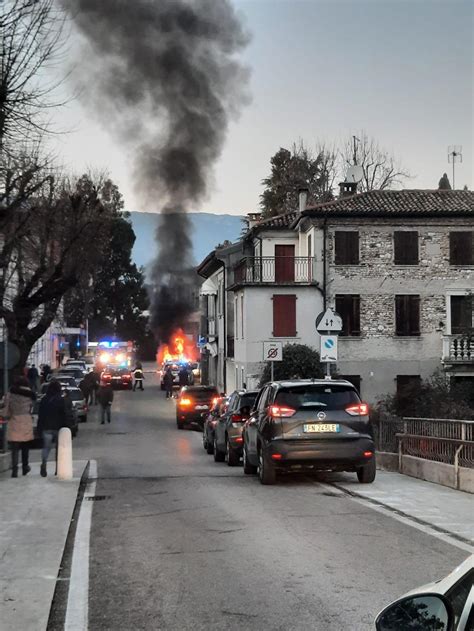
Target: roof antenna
{"points": [[454, 155], [355, 141]]}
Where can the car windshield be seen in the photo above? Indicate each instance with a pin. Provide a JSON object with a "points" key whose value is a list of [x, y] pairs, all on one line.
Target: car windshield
{"points": [[332, 396], [248, 399]]}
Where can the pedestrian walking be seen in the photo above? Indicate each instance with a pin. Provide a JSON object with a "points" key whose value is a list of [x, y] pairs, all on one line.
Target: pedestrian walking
{"points": [[46, 373], [168, 382], [105, 396], [33, 377], [138, 376], [183, 376], [52, 416], [87, 386], [95, 385], [17, 409]]}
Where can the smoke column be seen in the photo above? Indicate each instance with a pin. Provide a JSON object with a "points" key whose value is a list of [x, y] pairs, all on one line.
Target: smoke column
{"points": [[163, 75]]}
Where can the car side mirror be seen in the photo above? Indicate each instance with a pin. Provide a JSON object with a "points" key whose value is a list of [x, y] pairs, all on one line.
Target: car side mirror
{"points": [[421, 612]]}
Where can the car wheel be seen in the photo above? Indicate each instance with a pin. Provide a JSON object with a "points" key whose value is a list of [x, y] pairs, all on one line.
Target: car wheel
{"points": [[204, 440], [266, 471], [366, 474], [248, 467], [218, 455], [210, 447], [231, 456]]}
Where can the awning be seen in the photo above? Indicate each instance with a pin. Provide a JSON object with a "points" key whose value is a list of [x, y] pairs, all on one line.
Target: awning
{"points": [[208, 288]]}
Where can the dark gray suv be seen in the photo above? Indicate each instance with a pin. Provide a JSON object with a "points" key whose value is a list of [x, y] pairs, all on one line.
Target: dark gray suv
{"points": [[318, 424]]}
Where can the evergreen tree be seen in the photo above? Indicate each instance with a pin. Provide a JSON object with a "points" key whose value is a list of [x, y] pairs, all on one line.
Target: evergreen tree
{"points": [[444, 183]]}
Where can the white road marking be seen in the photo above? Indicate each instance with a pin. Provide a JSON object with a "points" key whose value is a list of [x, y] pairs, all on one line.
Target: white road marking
{"points": [[77, 611], [425, 528]]}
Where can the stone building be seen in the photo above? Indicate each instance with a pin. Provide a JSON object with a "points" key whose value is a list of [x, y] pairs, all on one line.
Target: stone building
{"points": [[396, 265]]}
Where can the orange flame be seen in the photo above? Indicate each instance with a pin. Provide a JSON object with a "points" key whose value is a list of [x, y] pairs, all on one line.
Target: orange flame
{"points": [[179, 348]]}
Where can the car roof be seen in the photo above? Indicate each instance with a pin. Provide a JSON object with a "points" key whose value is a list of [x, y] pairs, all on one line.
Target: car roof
{"points": [[318, 382], [197, 388], [244, 392]]}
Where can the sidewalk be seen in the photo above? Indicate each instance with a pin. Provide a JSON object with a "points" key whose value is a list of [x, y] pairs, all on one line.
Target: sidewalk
{"points": [[35, 514], [446, 509]]}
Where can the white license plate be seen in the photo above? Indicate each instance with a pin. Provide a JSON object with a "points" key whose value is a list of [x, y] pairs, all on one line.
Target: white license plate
{"points": [[320, 428], [202, 407]]}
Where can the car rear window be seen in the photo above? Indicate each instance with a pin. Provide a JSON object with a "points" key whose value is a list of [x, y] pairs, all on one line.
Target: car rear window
{"points": [[247, 399], [328, 396], [76, 396], [201, 393]]}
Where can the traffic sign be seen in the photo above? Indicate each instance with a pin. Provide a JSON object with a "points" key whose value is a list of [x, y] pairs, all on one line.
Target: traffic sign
{"points": [[273, 351], [328, 351], [328, 322], [202, 341]]}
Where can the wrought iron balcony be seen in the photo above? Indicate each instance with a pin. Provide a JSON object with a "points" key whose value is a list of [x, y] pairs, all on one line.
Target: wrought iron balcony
{"points": [[280, 270], [458, 349]]}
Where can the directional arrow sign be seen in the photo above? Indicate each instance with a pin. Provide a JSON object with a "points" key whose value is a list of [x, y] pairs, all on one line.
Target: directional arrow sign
{"points": [[328, 322]]}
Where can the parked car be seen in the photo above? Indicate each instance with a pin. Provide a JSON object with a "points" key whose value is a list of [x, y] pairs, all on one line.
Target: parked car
{"points": [[193, 404], [77, 363], [446, 605], [66, 371], [65, 380], [210, 421], [79, 404], [118, 377], [318, 424], [228, 440]]}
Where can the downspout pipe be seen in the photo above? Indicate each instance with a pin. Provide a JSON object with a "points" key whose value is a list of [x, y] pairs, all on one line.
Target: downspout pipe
{"points": [[324, 263]]}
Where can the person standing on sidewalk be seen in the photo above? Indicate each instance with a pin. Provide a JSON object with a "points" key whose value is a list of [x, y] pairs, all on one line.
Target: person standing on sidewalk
{"points": [[138, 376], [52, 416], [33, 377], [105, 396], [17, 408]]}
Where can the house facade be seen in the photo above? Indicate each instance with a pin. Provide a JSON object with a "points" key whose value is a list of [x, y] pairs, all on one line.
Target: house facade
{"points": [[396, 265]]}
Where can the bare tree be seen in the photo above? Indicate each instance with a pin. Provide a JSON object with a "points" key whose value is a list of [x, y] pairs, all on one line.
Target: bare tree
{"points": [[381, 169], [54, 240], [30, 41]]}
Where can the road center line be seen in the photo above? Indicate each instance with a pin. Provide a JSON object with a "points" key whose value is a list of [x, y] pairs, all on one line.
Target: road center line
{"points": [[77, 611]]}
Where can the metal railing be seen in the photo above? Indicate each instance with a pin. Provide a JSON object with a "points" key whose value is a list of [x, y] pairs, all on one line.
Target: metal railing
{"points": [[275, 269], [458, 348], [450, 441]]}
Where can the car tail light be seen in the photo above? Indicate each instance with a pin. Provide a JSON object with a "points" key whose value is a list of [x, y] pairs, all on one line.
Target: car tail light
{"points": [[236, 418], [358, 409], [239, 439], [368, 454], [281, 411], [185, 402], [215, 400], [277, 456]]}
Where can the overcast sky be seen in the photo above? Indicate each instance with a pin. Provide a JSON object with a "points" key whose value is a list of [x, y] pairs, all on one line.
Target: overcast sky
{"points": [[322, 70]]}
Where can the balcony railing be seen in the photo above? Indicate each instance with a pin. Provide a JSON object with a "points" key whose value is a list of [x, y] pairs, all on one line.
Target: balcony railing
{"points": [[458, 349], [286, 270]]}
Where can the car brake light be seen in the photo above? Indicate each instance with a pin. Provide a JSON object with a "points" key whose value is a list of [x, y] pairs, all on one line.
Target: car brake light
{"points": [[215, 400], [368, 454], [281, 411], [185, 402], [358, 409], [236, 418], [277, 456], [239, 439]]}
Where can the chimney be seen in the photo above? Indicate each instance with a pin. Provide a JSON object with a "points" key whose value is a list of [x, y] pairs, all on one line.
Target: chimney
{"points": [[346, 189], [253, 219], [302, 198]]}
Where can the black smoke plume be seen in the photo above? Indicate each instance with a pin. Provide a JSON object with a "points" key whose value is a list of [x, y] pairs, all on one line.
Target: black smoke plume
{"points": [[163, 75]]}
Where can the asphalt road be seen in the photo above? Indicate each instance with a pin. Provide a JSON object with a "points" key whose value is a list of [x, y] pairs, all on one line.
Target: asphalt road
{"points": [[180, 542]]}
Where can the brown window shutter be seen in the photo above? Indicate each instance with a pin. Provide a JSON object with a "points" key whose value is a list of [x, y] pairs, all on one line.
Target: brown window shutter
{"points": [[284, 315], [353, 238], [461, 314], [346, 247], [414, 315], [405, 247], [407, 315], [348, 307], [400, 315], [461, 248], [355, 315]]}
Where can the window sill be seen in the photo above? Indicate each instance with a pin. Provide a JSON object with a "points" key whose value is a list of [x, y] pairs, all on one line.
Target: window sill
{"points": [[462, 265], [405, 265], [407, 337]]}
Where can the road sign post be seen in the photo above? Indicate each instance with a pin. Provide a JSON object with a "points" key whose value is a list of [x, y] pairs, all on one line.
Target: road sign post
{"points": [[328, 325], [272, 352]]}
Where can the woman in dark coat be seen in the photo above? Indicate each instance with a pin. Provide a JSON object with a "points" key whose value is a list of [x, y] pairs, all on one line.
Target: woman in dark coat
{"points": [[17, 409], [51, 417]]}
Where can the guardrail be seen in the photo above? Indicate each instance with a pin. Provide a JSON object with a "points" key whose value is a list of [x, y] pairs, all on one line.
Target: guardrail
{"points": [[275, 269], [458, 349], [450, 441]]}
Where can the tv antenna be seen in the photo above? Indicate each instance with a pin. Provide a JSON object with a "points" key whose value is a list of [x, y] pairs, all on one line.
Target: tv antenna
{"points": [[454, 155]]}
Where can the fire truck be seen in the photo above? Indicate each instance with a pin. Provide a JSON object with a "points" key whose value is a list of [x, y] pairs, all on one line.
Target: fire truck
{"points": [[113, 353]]}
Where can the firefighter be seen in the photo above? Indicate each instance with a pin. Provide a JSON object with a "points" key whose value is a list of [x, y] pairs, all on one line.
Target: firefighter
{"points": [[138, 376]]}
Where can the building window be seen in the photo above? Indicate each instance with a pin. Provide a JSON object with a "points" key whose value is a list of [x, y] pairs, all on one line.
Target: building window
{"points": [[348, 307], [346, 248], [407, 315], [310, 246], [461, 314], [284, 315], [405, 246], [353, 379], [461, 248]]}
